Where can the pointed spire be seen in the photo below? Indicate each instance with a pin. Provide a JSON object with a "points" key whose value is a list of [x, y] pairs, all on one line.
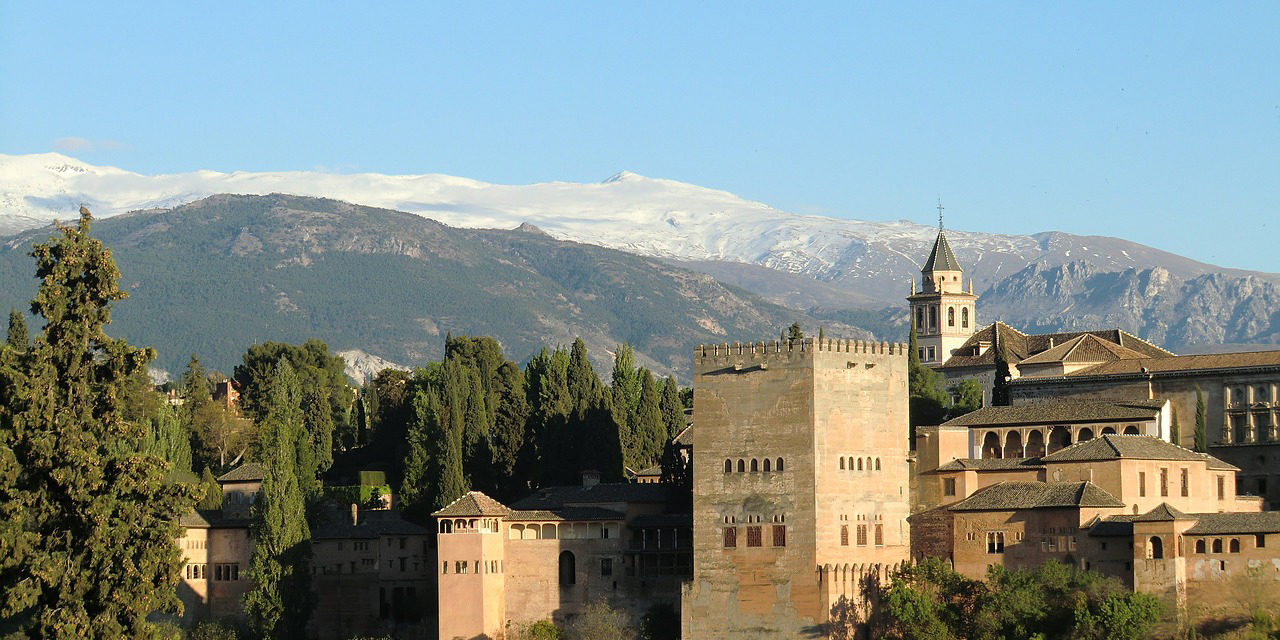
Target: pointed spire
{"points": [[941, 258]]}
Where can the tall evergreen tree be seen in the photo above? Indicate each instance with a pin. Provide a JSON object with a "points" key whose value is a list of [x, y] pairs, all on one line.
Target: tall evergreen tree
{"points": [[927, 401], [87, 522], [625, 388], [651, 430], [509, 433], [1174, 435], [1000, 387], [279, 601], [433, 475], [168, 439], [672, 408], [318, 417], [794, 332], [1201, 437], [585, 388], [210, 491], [18, 338]]}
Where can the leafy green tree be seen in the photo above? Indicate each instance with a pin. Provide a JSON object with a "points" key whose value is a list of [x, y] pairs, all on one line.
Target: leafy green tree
{"points": [[927, 401], [1201, 437], [968, 397], [79, 497], [598, 621], [279, 601], [317, 370], [18, 338]]}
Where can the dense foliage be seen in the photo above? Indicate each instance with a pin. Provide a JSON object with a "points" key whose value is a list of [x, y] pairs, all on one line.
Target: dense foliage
{"points": [[931, 601], [87, 521]]}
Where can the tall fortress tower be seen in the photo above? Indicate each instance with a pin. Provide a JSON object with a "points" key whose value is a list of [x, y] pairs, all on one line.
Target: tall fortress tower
{"points": [[942, 312], [800, 483]]}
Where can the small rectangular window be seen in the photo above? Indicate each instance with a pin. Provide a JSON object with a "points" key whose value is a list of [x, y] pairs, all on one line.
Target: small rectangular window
{"points": [[755, 538], [1222, 487], [606, 566], [1186, 484], [730, 537], [948, 486], [862, 535], [779, 535], [1142, 483], [1164, 483], [1260, 540]]}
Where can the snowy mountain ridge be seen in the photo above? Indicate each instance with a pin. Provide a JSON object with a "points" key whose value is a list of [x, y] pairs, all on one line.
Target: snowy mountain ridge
{"points": [[647, 216]]}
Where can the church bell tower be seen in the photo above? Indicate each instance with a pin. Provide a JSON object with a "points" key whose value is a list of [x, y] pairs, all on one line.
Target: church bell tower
{"points": [[942, 311]]}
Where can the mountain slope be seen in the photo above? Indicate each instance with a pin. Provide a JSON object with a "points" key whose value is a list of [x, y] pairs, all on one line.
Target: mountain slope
{"points": [[217, 275], [646, 216]]}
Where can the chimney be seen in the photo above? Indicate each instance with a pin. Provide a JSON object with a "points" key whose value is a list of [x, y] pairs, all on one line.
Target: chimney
{"points": [[590, 478], [1050, 342], [355, 514]]}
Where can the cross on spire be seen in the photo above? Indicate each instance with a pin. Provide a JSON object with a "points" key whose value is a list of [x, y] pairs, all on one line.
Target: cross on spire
{"points": [[940, 208]]}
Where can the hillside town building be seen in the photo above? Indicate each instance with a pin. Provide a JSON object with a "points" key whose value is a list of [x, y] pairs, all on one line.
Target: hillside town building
{"points": [[548, 556]]}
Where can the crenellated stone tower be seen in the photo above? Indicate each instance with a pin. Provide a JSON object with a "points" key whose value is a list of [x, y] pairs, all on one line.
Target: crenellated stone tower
{"points": [[800, 483], [943, 313]]}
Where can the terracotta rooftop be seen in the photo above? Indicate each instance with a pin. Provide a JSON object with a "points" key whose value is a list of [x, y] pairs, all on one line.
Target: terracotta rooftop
{"points": [[247, 472], [1020, 346], [1057, 412], [1085, 348], [1177, 364], [1227, 523], [473, 503], [992, 464], [1008, 496], [1162, 513], [1114, 447], [210, 519]]}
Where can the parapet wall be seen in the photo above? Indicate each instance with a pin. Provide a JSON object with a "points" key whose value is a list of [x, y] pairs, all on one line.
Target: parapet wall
{"points": [[798, 346]]}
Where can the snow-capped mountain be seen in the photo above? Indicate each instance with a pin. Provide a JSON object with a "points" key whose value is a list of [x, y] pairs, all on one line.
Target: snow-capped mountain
{"points": [[662, 218]]}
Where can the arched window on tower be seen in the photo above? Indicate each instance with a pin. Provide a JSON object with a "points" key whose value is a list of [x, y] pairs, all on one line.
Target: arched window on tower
{"points": [[933, 317], [568, 569], [951, 316], [964, 318]]}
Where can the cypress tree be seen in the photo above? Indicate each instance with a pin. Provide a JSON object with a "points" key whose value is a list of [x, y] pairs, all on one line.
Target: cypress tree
{"points": [[508, 436], [319, 421], [927, 401], [87, 522], [651, 429], [1000, 388], [584, 385], [279, 601], [169, 440], [625, 388], [1174, 436], [477, 454], [210, 491], [1201, 437], [17, 331], [672, 409]]}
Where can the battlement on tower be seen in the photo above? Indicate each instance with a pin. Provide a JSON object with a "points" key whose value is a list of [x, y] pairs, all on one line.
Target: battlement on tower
{"points": [[796, 347]]}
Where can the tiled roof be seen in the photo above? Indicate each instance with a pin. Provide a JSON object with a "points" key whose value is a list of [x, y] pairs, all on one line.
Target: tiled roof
{"points": [[373, 523], [473, 503], [1084, 348], [552, 498], [1020, 346], [1008, 496], [210, 519], [1226, 523], [1184, 363], [941, 258], [1162, 513], [1113, 526], [247, 472], [1113, 447], [1058, 413], [685, 436], [655, 470], [565, 513], [992, 464]]}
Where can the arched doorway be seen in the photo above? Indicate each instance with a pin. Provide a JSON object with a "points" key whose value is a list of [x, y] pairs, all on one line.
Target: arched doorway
{"points": [[1059, 437], [1035, 444], [568, 569], [991, 445], [1084, 434], [1013, 445]]}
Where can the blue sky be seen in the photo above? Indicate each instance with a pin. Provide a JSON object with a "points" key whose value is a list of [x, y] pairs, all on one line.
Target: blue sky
{"points": [[1156, 122]]}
